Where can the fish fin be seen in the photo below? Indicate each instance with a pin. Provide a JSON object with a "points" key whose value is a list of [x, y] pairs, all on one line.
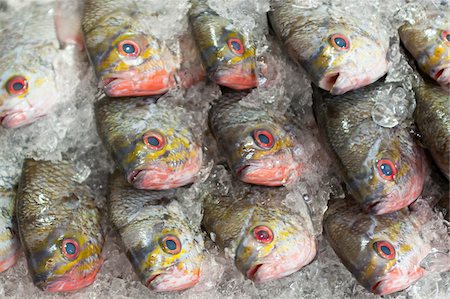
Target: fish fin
{"points": [[436, 262], [68, 23]]}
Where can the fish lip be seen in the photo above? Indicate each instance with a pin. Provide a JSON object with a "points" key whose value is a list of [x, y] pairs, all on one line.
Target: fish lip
{"points": [[329, 80], [133, 175], [443, 75], [225, 77], [241, 169], [375, 288], [251, 273], [150, 279]]}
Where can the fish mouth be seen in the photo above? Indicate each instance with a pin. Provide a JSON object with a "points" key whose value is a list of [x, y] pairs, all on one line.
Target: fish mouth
{"points": [[236, 78], [8, 262], [396, 280], [252, 271], [442, 76], [12, 120], [150, 279], [174, 280]]}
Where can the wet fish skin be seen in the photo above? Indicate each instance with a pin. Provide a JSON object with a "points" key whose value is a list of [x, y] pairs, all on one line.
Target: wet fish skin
{"points": [[353, 235], [428, 41], [9, 241], [143, 219], [227, 53], [59, 227], [125, 126], [235, 128], [309, 36], [109, 26], [234, 219], [363, 149], [432, 116]]}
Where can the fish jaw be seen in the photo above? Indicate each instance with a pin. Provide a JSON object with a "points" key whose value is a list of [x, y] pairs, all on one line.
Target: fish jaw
{"points": [[396, 280], [441, 74], [175, 280], [236, 77], [8, 262], [135, 84], [17, 119]]}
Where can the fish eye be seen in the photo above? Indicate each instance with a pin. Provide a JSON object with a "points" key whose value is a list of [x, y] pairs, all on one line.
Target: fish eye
{"points": [[153, 140], [340, 42], [236, 46], [263, 234], [17, 85], [263, 138], [384, 249], [170, 244], [445, 35], [386, 169], [128, 48], [70, 248]]}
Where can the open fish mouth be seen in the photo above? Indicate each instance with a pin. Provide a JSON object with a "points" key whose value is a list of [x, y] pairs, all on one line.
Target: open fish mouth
{"points": [[442, 76], [175, 280]]}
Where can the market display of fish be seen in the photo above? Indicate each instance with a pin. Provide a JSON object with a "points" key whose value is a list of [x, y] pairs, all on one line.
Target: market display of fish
{"points": [[428, 41], [128, 59], [268, 239], [385, 253], [227, 53], [9, 241], [432, 116], [260, 148], [30, 47], [338, 52], [59, 227], [151, 143], [384, 168], [161, 244]]}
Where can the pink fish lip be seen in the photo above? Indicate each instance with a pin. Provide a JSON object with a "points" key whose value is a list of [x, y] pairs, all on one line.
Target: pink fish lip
{"points": [[252, 271], [151, 279], [241, 169], [376, 288], [442, 76]]}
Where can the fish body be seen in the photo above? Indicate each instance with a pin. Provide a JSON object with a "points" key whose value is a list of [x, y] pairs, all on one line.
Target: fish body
{"points": [[383, 252], [432, 116], [334, 49], [384, 168], [267, 239], [9, 241], [227, 53], [428, 41], [151, 143], [59, 227], [260, 148], [29, 47], [164, 249], [128, 59]]}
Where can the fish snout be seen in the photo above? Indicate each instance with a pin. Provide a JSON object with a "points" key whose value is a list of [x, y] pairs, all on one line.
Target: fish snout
{"points": [[173, 280], [238, 77], [396, 280], [441, 74]]}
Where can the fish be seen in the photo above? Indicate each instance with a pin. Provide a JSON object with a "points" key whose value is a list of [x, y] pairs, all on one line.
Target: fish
{"points": [[338, 52], [260, 147], [384, 168], [165, 250], [9, 241], [432, 116], [267, 238], [150, 142], [128, 59], [227, 52], [59, 226], [385, 253], [428, 41], [30, 46]]}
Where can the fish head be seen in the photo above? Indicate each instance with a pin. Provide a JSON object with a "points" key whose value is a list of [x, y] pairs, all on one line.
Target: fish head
{"points": [[274, 245], [9, 241], [28, 87], [129, 61], [383, 252], [343, 57], [167, 256], [428, 41]]}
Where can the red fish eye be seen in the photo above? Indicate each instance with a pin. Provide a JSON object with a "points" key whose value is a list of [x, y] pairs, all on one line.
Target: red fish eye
{"points": [[236, 46], [263, 234], [70, 248], [386, 169], [17, 85], [445, 35], [170, 244], [128, 48], [263, 138], [384, 249], [339, 42], [153, 140]]}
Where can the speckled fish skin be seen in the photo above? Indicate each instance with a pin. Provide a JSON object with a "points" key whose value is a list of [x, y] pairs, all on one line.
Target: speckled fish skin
{"points": [[309, 36], [428, 41], [364, 149], [234, 219], [59, 227], [235, 128], [9, 241], [108, 26], [227, 53], [432, 116], [125, 126], [354, 234], [144, 219]]}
